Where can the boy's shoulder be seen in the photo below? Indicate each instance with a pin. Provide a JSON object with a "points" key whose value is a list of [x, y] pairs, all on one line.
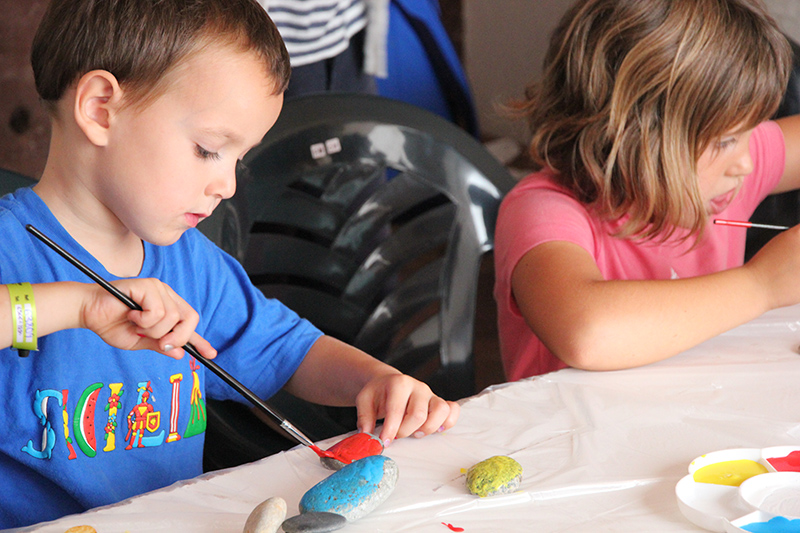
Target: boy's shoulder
{"points": [[13, 206]]}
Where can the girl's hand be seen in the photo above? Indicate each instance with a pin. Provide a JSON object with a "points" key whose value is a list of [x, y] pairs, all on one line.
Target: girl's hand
{"points": [[165, 323], [408, 407]]}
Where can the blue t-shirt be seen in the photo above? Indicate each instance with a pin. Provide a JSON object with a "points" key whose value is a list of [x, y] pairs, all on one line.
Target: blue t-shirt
{"points": [[86, 424]]}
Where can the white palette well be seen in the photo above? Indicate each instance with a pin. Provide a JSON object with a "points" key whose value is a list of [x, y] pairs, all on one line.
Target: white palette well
{"points": [[763, 503]]}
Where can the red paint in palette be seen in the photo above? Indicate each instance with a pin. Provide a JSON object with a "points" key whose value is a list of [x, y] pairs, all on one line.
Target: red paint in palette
{"points": [[788, 463], [452, 527]]}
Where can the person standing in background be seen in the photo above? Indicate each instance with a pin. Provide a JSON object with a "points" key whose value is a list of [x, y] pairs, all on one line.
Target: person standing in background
{"points": [[334, 45]]}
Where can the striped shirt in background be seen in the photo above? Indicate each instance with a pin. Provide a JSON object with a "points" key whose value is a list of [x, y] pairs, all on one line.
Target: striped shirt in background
{"points": [[315, 30]]}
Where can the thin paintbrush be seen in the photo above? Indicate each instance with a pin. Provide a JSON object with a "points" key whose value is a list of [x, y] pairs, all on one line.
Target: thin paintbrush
{"points": [[745, 224], [211, 365]]}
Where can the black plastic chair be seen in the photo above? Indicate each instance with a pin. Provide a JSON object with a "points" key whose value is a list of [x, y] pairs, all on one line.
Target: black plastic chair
{"points": [[779, 209], [10, 181], [370, 217]]}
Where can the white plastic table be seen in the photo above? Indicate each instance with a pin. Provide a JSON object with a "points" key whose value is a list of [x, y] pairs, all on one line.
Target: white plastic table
{"points": [[601, 451]]}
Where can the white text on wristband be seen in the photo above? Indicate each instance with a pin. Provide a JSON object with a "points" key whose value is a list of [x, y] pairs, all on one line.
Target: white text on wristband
{"points": [[23, 316]]}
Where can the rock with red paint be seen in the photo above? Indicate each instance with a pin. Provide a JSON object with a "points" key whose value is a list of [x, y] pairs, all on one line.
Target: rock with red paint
{"points": [[496, 475], [352, 448], [355, 490]]}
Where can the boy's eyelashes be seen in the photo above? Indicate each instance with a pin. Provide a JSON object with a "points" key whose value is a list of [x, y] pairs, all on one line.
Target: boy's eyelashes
{"points": [[202, 153]]}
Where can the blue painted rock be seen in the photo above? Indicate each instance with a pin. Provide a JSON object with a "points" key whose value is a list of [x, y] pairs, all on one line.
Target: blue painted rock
{"points": [[496, 475], [355, 490], [353, 448], [314, 523], [266, 517]]}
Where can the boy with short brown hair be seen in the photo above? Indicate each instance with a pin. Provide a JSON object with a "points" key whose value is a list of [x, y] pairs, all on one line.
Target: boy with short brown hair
{"points": [[153, 103]]}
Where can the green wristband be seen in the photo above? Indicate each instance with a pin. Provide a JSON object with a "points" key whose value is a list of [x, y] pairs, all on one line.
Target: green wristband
{"points": [[23, 316]]}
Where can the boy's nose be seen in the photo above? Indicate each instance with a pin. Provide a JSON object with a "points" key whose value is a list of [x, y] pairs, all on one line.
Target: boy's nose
{"points": [[223, 185]]}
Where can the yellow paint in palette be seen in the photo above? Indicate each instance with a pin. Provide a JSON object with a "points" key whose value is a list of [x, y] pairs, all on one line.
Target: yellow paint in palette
{"points": [[731, 473]]}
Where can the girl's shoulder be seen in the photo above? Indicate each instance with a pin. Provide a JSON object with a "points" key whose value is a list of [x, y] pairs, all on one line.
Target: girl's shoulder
{"points": [[538, 208], [542, 191], [545, 178]]}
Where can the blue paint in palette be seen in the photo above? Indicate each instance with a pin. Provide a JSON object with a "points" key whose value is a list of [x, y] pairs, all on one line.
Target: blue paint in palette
{"points": [[778, 524]]}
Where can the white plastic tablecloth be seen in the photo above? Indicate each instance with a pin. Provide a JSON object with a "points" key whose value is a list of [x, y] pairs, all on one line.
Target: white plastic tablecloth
{"points": [[601, 451]]}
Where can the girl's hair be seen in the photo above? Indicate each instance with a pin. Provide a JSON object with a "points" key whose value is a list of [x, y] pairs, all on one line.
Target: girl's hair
{"points": [[634, 91], [139, 41]]}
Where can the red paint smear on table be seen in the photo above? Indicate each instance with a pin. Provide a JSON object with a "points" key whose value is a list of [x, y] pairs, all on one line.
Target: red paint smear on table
{"points": [[790, 463], [452, 527], [355, 447]]}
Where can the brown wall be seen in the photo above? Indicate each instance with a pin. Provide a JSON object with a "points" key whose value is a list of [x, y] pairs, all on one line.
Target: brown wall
{"points": [[504, 45], [24, 127]]}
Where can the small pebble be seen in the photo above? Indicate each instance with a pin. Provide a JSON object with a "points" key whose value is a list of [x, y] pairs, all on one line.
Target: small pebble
{"points": [[355, 490], [314, 523], [352, 448], [497, 475], [266, 517]]}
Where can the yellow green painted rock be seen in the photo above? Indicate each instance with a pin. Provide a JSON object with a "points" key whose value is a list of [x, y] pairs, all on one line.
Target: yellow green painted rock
{"points": [[496, 475]]}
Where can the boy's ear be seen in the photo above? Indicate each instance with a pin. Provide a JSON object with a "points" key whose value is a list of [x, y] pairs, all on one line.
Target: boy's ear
{"points": [[97, 99]]}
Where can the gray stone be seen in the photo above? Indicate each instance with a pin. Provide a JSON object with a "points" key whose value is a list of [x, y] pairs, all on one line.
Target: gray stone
{"points": [[330, 463], [314, 523], [266, 517], [355, 490]]}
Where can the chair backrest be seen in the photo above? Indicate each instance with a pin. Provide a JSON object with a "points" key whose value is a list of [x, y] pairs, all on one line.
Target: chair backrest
{"points": [[369, 217], [10, 181], [779, 209], [227, 226]]}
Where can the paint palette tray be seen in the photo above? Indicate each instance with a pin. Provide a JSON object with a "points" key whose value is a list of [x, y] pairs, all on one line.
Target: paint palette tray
{"points": [[743, 490]]}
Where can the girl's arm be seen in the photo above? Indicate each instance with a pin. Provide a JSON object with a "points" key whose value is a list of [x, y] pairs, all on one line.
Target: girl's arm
{"points": [[594, 324], [335, 373], [791, 135], [165, 324]]}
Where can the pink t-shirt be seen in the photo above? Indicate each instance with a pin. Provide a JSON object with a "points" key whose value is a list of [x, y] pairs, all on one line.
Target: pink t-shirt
{"points": [[537, 210]]}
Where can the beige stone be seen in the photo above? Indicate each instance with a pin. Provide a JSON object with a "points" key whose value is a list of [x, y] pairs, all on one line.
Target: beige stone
{"points": [[267, 517]]}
